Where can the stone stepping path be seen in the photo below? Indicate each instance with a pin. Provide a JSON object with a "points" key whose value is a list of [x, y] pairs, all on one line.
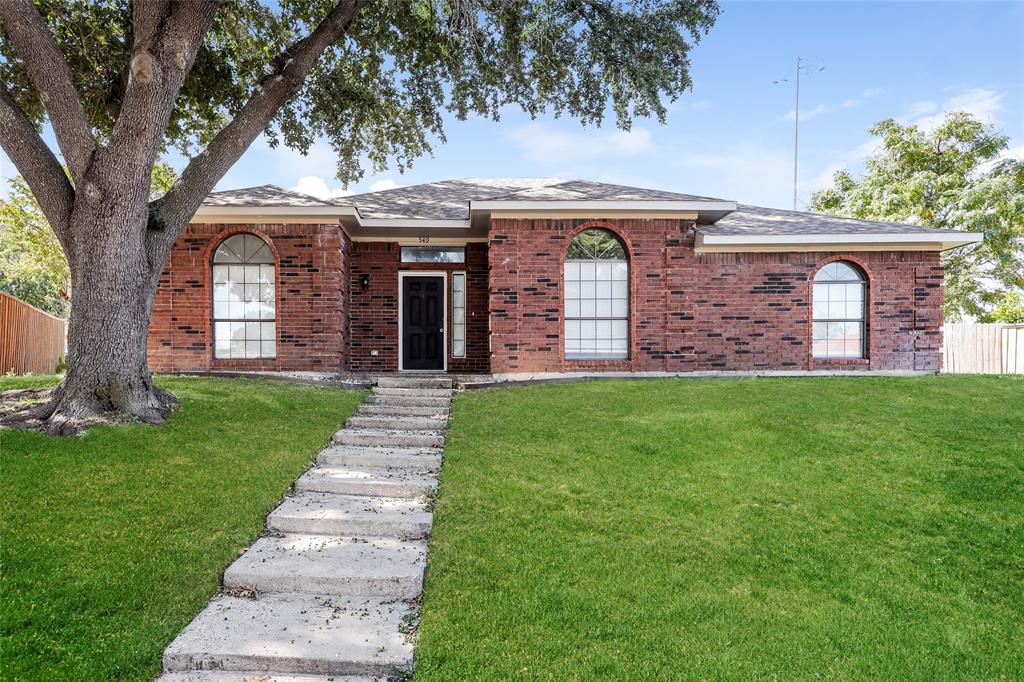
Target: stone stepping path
{"points": [[338, 576]]}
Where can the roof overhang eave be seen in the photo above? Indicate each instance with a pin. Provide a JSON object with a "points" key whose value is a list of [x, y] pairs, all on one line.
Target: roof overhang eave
{"points": [[924, 241], [272, 214]]}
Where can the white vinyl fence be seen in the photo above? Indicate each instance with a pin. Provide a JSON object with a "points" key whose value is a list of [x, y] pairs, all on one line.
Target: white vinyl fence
{"points": [[982, 348]]}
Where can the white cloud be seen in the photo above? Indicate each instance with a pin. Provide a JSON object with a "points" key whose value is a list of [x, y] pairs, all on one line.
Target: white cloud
{"points": [[807, 114], [316, 186], [384, 184], [544, 145], [923, 107], [1014, 153], [844, 160], [982, 103], [750, 172], [701, 104]]}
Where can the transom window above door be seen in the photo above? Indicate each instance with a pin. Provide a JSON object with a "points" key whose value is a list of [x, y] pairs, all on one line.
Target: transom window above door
{"points": [[244, 299], [596, 297], [433, 254]]}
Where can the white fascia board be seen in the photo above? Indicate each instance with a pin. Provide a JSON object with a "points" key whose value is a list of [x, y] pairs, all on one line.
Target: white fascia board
{"points": [[243, 211], [948, 240], [637, 206], [220, 213], [413, 223]]}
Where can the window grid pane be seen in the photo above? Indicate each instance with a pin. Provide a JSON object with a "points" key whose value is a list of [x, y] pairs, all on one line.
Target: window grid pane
{"points": [[839, 315], [459, 315], [244, 301], [596, 298]]}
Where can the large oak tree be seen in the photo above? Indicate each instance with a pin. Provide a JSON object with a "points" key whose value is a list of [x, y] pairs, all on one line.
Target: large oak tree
{"points": [[119, 82]]}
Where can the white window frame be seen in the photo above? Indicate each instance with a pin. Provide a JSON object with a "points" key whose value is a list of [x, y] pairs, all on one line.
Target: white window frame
{"points": [[580, 356], [402, 274], [214, 319], [863, 282], [465, 312]]}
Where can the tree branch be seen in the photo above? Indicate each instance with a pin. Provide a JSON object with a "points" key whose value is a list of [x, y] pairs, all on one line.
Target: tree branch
{"points": [[286, 74], [166, 40], [52, 79], [37, 164]]}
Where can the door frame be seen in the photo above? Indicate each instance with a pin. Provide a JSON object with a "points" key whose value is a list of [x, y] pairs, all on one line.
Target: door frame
{"points": [[443, 274]]}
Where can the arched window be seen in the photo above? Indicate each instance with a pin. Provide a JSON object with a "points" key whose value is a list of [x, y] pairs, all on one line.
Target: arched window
{"points": [[596, 297], [840, 312], [243, 299]]}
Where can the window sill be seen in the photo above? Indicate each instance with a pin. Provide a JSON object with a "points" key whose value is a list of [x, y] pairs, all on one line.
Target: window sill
{"points": [[599, 358], [841, 361]]}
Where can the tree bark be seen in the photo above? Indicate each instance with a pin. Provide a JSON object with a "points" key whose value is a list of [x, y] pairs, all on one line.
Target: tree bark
{"points": [[113, 284], [114, 251]]}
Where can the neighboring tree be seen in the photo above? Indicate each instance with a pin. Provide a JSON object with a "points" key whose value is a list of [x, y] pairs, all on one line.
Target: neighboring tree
{"points": [[32, 263], [119, 81], [1009, 309], [951, 178]]}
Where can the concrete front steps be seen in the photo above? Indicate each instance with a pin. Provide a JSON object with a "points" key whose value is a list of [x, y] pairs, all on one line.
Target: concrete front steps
{"points": [[368, 409], [362, 436], [412, 458], [329, 593], [295, 633], [317, 564], [382, 481], [217, 676]]}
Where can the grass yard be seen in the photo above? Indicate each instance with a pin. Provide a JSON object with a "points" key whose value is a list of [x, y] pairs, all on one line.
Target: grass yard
{"points": [[110, 543], [830, 528]]}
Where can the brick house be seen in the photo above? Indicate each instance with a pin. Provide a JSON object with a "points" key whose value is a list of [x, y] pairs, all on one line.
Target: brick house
{"points": [[513, 276]]}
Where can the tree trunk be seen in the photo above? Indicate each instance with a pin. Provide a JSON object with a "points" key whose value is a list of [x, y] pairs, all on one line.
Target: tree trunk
{"points": [[113, 284]]}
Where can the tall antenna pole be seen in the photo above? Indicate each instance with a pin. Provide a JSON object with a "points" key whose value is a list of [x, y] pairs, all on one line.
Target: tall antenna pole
{"points": [[796, 132], [800, 66]]}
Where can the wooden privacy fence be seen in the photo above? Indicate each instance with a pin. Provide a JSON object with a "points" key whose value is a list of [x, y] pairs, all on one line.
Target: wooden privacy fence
{"points": [[983, 348], [31, 341]]}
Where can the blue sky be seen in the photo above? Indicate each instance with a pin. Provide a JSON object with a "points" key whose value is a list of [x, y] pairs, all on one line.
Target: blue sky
{"points": [[732, 136]]}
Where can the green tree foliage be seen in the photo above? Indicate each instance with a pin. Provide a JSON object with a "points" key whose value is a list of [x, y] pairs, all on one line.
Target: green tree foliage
{"points": [[951, 178], [32, 263], [1009, 309], [379, 91]]}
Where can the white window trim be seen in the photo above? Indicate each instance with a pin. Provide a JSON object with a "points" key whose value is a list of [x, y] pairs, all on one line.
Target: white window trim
{"points": [[864, 283], [465, 312], [629, 313], [402, 274], [213, 264]]}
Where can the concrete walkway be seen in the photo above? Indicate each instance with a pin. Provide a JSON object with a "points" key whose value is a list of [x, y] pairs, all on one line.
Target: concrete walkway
{"points": [[338, 575]]}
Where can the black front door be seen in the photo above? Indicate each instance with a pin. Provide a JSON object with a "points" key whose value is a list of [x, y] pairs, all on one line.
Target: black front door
{"points": [[423, 322]]}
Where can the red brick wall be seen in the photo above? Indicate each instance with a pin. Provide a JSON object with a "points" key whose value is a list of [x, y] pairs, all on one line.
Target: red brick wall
{"points": [[309, 261], [373, 313], [690, 312]]}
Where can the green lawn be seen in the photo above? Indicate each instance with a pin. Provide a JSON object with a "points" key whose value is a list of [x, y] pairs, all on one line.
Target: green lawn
{"points": [[786, 529], [110, 543]]}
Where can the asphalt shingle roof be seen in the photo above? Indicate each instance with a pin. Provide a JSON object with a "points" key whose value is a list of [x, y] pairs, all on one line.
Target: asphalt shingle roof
{"points": [[582, 190], [757, 220], [264, 195], [450, 199], [445, 200]]}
